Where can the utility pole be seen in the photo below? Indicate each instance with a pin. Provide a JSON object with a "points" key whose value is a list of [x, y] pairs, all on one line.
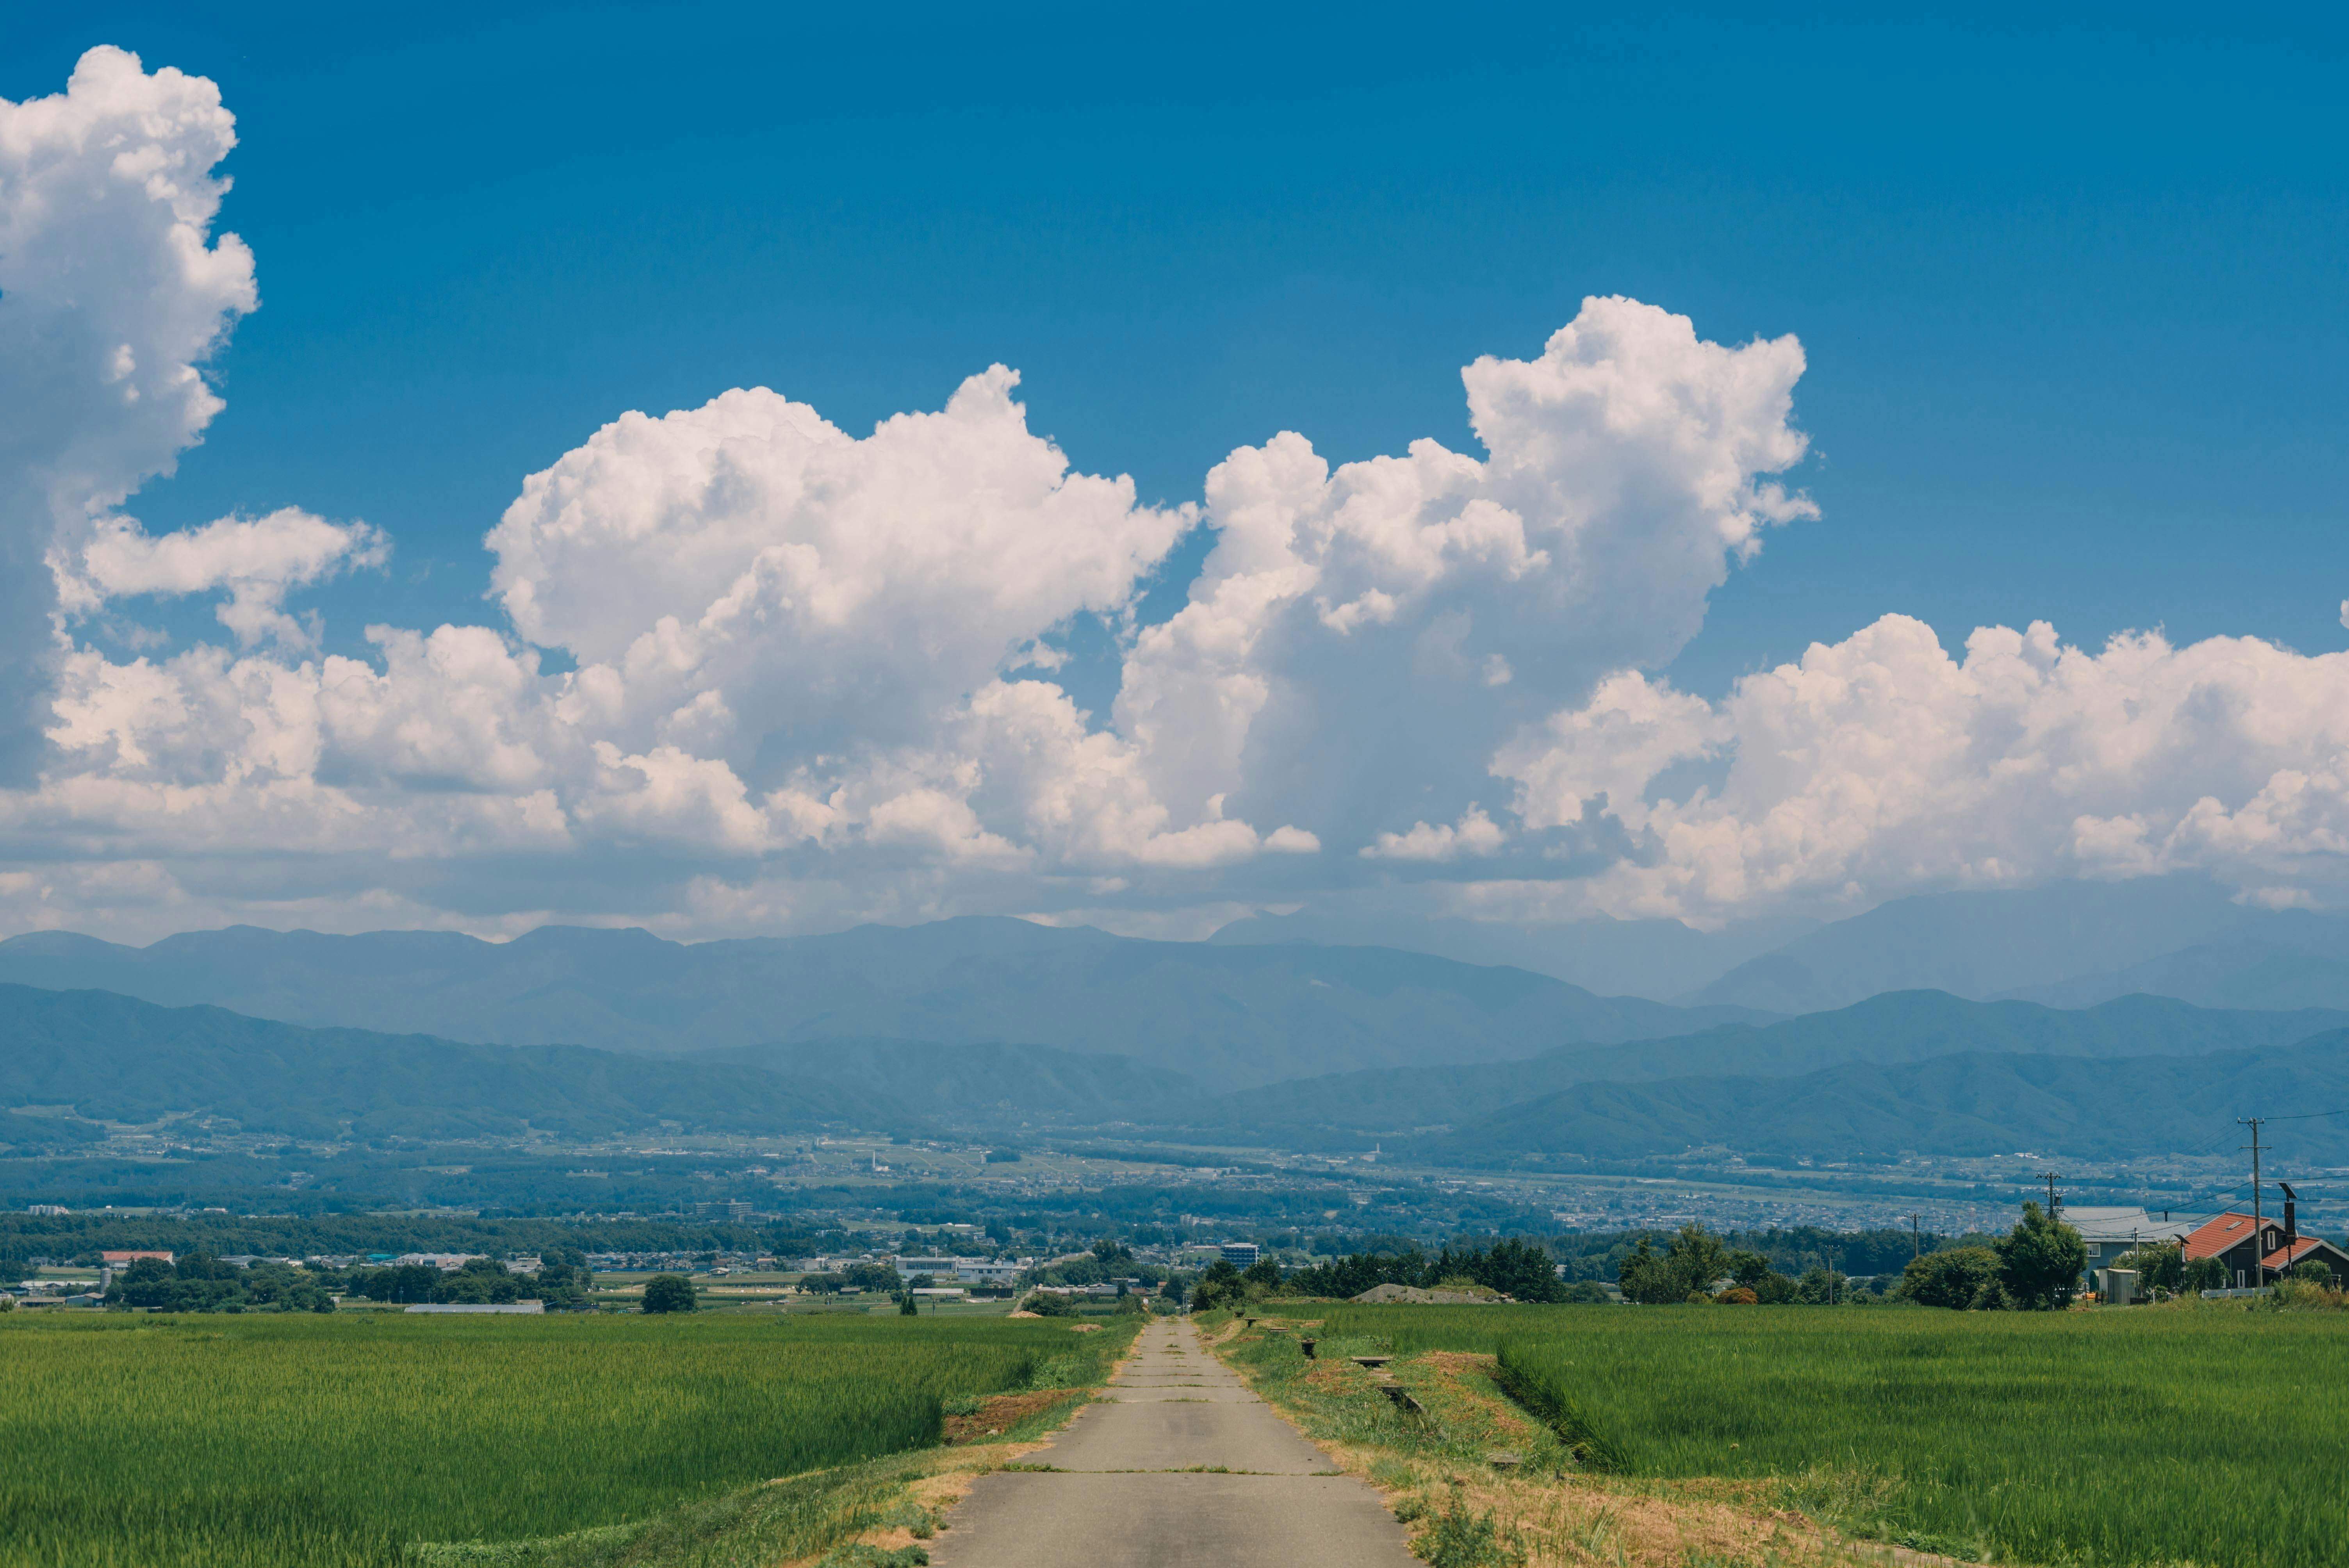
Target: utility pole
{"points": [[1916, 1242], [2053, 1202], [2259, 1258]]}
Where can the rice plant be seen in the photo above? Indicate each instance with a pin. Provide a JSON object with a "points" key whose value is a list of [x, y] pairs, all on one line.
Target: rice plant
{"points": [[2213, 1437], [330, 1441]]}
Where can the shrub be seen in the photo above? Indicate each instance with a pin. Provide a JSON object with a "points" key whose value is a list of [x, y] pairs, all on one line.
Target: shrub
{"points": [[1739, 1295], [2295, 1293], [1464, 1539]]}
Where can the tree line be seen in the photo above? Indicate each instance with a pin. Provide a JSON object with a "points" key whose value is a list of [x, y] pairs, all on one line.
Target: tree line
{"points": [[200, 1282]]}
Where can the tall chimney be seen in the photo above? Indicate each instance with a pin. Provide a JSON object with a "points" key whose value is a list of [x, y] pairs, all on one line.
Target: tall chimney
{"points": [[2290, 1223]]}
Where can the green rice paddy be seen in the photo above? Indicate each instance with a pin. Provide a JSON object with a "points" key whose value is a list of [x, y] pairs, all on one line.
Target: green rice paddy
{"points": [[2216, 1437], [265, 1442]]}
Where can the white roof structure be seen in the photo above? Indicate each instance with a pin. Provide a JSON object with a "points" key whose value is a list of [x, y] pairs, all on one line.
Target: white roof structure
{"points": [[2125, 1224]]}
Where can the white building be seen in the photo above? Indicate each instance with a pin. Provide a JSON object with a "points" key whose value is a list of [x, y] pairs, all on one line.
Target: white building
{"points": [[2111, 1233], [1240, 1254], [530, 1307]]}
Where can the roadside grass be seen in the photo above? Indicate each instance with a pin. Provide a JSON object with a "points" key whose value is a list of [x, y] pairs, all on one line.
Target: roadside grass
{"points": [[572, 1443], [1439, 1472], [2212, 1437]]}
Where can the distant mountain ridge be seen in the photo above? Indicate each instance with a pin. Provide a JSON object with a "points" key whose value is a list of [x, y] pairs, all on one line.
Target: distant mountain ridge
{"points": [[1654, 958], [1892, 1029], [2068, 944], [1228, 1016], [1899, 1073], [1973, 1103], [117, 1058]]}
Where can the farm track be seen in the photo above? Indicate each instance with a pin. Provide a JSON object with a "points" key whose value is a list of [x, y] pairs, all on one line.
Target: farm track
{"points": [[1178, 1462]]}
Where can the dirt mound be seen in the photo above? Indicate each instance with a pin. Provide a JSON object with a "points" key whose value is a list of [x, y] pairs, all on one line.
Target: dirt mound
{"points": [[1411, 1295]]}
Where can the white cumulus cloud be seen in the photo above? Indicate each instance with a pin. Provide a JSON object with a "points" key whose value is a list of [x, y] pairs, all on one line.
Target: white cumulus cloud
{"points": [[811, 676], [1881, 765], [256, 560], [112, 294]]}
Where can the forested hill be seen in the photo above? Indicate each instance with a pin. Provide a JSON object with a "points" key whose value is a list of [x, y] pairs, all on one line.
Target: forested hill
{"points": [[115, 1058]]}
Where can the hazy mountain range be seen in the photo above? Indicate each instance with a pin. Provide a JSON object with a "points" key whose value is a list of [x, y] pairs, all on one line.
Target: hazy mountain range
{"points": [[2069, 944], [1897, 1028], [1920, 1072], [1930, 1024], [1230, 1016], [1970, 1104], [105, 1058]]}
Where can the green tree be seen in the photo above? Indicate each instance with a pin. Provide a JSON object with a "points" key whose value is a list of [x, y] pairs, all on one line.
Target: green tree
{"points": [[1220, 1286], [2205, 1274], [1647, 1277], [1697, 1259], [2160, 1267], [1952, 1277], [2041, 1260], [1821, 1287], [1263, 1274], [873, 1276], [669, 1292], [908, 1306]]}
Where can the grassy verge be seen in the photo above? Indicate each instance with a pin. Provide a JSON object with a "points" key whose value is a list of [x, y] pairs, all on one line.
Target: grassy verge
{"points": [[1481, 1482]]}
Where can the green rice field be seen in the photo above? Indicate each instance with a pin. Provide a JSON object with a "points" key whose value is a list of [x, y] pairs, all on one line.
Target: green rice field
{"points": [[2216, 1437], [266, 1443]]}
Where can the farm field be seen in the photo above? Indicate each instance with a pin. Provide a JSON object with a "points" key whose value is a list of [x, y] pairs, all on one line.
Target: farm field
{"points": [[258, 1442], [2213, 1436]]}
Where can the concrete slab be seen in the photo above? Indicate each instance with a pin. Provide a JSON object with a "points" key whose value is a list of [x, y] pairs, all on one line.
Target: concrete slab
{"points": [[1123, 1492], [1020, 1520], [1167, 1435]]}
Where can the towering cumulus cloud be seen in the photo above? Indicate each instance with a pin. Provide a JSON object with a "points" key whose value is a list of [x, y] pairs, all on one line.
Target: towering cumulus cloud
{"points": [[111, 295], [1361, 640], [813, 676]]}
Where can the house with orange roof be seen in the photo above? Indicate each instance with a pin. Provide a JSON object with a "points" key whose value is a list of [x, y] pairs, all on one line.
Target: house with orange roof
{"points": [[2256, 1251]]}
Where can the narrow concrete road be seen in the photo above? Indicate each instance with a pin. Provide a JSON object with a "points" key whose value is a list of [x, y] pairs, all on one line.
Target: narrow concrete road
{"points": [[1138, 1482]]}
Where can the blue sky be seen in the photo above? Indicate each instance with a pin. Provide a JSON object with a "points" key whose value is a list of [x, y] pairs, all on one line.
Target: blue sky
{"points": [[2071, 313], [2072, 297]]}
